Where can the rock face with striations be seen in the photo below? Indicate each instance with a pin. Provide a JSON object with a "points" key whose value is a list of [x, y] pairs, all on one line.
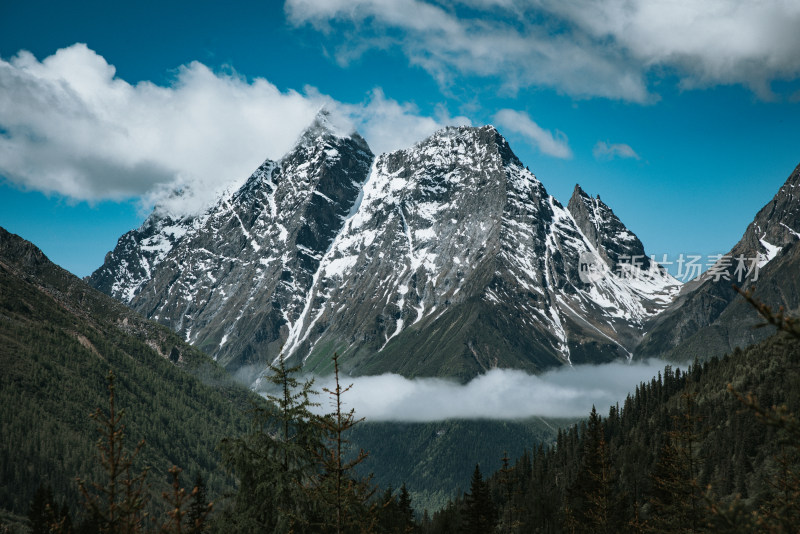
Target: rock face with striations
{"points": [[457, 261], [447, 259], [233, 279], [130, 264]]}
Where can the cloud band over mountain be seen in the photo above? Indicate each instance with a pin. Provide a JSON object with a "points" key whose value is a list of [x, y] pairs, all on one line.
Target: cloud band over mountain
{"points": [[497, 394]]}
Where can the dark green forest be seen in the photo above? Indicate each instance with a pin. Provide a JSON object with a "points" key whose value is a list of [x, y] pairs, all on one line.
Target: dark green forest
{"points": [[422, 455], [58, 341], [713, 449], [689, 451]]}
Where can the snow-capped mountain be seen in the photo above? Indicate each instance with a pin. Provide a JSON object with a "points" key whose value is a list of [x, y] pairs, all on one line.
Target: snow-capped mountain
{"points": [[447, 258], [233, 278], [458, 260], [605, 231], [708, 318]]}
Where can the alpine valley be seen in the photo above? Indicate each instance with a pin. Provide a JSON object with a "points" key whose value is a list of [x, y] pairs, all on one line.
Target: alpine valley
{"points": [[446, 259]]}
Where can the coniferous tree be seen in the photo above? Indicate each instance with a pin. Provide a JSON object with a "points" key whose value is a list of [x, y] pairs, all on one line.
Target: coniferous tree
{"points": [[40, 511], [185, 513], [449, 519], [679, 435], [591, 496], [388, 512], [117, 503], [45, 516], [277, 459], [176, 501], [199, 508], [342, 495], [406, 511], [781, 511], [395, 513], [509, 521], [676, 501], [599, 513], [426, 521], [479, 511]]}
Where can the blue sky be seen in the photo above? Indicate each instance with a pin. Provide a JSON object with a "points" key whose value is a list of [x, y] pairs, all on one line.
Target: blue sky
{"points": [[682, 115]]}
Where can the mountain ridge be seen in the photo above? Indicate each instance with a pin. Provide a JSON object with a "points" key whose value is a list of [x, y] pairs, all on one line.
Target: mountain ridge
{"points": [[451, 235], [707, 319]]}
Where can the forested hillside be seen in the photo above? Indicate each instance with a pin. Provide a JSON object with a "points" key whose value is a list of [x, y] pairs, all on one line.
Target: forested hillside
{"points": [[58, 340], [685, 453], [691, 450], [435, 459]]}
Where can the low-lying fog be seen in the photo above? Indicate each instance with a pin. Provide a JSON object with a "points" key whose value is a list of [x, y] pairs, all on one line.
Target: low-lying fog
{"points": [[498, 394]]}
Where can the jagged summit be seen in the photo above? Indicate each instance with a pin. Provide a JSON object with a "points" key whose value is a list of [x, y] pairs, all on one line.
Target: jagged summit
{"points": [[776, 225], [326, 126], [460, 260], [319, 177], [480, 135], [605, 231], [130, 265]]}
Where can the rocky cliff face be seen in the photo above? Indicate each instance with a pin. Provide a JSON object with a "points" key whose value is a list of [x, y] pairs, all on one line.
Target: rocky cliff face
{"points": [[447, 258], [615, 243], [130, 265], [776, 225], [709, 318]]}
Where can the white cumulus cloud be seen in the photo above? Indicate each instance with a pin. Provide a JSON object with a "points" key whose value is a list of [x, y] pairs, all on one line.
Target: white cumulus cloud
{"points": [[547, 142], [707, 42], [73, 128], [70, 126], [584, 48], [497, 394], [445, 44]]}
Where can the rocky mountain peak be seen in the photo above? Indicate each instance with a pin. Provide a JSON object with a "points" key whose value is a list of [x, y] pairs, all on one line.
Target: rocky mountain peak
{"points": [[461, 138], [776, 225], [22, 254], [130, 265], [455, 244], [604, 230], [327, 128], [709, 318], [237, 278]]}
